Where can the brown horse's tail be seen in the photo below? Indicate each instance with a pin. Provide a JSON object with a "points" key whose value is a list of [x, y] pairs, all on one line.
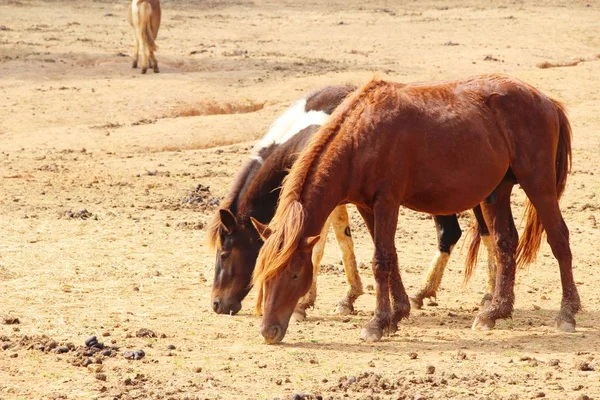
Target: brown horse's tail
{"points": [[145, 14], [529, 244]]}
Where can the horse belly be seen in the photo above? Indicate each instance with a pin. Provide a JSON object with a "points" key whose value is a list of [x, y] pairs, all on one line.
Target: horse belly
{"points": [[446, 180]]}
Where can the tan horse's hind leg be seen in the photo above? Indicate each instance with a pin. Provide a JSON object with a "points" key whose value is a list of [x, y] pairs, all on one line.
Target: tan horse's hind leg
{"points": [[309, 299], [488, 243], [341, 228], [136, 53]]}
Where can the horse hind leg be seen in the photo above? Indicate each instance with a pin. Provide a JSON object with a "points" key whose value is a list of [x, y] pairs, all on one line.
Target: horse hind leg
{"points": [[448, 233], [499, 217], [308, 300], [343, 234], [545, 201], [490, 247], [136, 53]]}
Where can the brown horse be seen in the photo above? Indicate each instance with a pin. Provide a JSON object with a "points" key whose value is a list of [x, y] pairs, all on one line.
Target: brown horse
{"points": [[144, 18], [254, 193], [438, 148]]}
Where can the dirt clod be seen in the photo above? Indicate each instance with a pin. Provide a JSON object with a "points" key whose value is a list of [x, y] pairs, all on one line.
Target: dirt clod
{"points": [[145, 333], [584, 366], [10, 320], [430, 370], [413, 356]]}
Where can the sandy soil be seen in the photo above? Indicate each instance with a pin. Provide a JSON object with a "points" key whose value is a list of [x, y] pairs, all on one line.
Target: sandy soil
{"points": [[79, 129]]}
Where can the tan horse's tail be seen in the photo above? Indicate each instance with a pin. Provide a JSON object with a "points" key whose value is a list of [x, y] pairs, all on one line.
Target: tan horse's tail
{"points": [[145, 14], [529, 244], [473, 252]]}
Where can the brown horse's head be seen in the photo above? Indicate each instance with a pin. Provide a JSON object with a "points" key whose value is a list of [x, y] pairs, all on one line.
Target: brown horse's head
{"points": [[284, 281], [236, 248]]}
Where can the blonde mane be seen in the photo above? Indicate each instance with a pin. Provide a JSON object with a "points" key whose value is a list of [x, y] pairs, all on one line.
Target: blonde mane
{"points": [[288, 223]]}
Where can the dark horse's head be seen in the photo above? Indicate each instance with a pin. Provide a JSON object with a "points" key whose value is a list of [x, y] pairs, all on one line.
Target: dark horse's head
{"points": [[237, 248]]}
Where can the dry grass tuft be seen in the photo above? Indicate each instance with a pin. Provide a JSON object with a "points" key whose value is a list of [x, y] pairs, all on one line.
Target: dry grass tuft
{"points": [[211, 107]]}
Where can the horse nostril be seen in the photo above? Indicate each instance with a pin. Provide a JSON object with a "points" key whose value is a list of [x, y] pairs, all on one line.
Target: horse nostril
{"points": [[275, 330], [271, 334], [216, 305]]}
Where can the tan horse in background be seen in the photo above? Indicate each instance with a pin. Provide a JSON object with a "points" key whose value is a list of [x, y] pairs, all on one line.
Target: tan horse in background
{"points": [[144, 18]]}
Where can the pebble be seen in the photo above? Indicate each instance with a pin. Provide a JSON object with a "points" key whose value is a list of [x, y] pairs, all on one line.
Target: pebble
{"points": [[413, 356], [540, 394], [87, 362], [430, 369], [553, 362], [198, 370], [107, 353], [62, 350], [583, 397], [145, 333], [584, 366], [171, 347], [101, 377]]}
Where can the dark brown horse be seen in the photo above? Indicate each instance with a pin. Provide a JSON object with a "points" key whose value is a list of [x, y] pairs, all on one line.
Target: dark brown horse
{"points": [[254, 194], [438, 148]]}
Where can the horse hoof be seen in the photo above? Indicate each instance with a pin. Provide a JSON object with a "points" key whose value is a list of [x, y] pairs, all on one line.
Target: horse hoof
{"points": [[565, 326], [416, 302], [299, 315], [371, 334], [156, 71], [144, 70], [134, 65], [483, 324], [343, 309]]}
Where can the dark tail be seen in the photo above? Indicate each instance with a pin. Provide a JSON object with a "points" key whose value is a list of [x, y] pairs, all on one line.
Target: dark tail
{"points": [[529, 244]]}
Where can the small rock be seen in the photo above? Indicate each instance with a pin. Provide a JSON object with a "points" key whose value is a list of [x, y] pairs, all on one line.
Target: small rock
{"points": [[461, 355], [145, 333], [86, 362], [583, 397], [8, 320], [540, 394], [370, 288], [413, 356], [553, 362], [101, 377], [107, 353], [430, 370], [584, 366], [61, 350], [198, 370], [432, 303], [171, 347], [89, 342], [14, 355], [278, 382]]}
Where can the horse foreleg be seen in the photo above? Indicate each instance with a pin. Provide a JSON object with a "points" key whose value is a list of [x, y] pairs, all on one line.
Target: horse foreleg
{"points": [[382, 221], [448, 233], [308, 300], [341, 228], [499, 217]]}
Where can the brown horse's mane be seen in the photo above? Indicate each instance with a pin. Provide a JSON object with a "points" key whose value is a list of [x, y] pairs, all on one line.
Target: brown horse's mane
{"points": [[288, 223]]}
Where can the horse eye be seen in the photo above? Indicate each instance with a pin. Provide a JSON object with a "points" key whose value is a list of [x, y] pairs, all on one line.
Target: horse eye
{"points": [[225, 255], [295, 276]]}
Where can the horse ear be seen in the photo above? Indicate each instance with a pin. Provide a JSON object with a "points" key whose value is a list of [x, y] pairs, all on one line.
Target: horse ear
{"points": [[263, 230], [309, 242], [227, 220]]}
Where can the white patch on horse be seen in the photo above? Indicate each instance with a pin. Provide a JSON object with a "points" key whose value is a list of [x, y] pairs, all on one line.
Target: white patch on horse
{"points": [[290, 123], [256, 157]]}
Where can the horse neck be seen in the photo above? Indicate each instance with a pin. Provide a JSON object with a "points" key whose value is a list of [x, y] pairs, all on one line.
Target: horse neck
{"points": [[324, 189]]}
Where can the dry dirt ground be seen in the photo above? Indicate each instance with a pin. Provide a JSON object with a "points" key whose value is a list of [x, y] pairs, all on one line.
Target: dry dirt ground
{"points": [[80, 130]]}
